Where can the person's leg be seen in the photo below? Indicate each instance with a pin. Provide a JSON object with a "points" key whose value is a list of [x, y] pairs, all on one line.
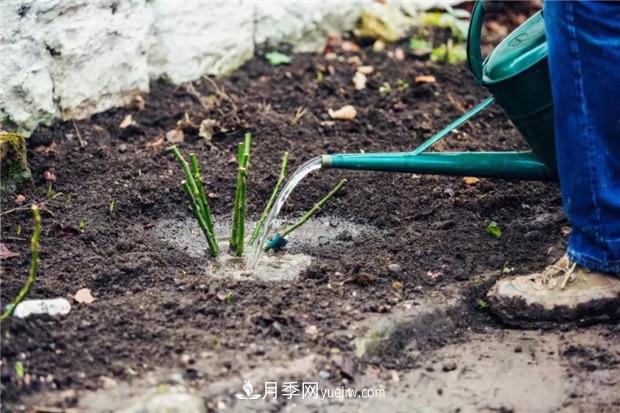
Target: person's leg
{"points": [[584, 62]]}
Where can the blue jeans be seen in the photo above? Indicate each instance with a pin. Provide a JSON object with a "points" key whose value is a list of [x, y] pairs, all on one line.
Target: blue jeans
{"points": [[584, 62]]}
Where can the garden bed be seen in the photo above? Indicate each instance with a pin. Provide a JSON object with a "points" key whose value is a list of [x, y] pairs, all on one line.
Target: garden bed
{"points": [[155, 304]]}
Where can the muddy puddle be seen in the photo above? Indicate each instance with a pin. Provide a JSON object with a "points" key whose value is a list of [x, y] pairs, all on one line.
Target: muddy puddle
{"points": [[283, 265]]}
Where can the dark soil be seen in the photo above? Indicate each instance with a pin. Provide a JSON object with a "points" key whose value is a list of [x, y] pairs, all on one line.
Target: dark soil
{"points": [[153, 303]]}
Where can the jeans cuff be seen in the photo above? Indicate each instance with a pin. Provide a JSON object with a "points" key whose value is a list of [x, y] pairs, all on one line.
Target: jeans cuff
{"points": [[592, 263]]}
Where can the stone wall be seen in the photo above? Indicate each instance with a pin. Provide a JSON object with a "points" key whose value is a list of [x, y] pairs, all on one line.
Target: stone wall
{"points": [[64, 59]]}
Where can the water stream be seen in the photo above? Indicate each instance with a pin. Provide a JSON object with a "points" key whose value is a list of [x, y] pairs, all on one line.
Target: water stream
{"points": [[256, 249]]}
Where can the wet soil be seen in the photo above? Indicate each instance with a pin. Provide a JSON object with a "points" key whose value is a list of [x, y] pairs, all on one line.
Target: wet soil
{"points": [[155, 304]]}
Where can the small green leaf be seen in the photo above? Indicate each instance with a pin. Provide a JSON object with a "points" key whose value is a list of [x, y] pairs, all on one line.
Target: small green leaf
{"points": [[481, 304], [493, 230], [19, 369], [277, 58], [449, 53], [419, 44]]}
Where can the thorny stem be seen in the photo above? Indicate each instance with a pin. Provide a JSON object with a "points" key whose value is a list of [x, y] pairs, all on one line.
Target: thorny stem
{"points": [[314, 209], [241, 205], [272, 199], [201, 221], [197, 197], [34, 262]]}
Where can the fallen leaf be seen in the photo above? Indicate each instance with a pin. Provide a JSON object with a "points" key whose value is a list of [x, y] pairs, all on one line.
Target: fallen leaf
{"points": [[359, 80], [347, 112], [186, 122], [277, 58], [127, 122], [156, 143], [20, 199], [138, 102], [365, 70], [212, 195], [349, 46], [493, 230], [6, 253], [84, 296], [49, 176], [399, 54], [206, 129], [470, 180], [175, 136], [425, 79]]}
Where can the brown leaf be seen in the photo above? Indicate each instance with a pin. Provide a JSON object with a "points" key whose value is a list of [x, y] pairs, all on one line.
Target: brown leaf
{"points": [[359, 80], [175, 136], [84, 296], [347, 112], [425, 79], [349, 46], [206, 129], [127, 122], [212, 195], [46, 149], [365, 70], [20, 199], [471, 180], [186, 123], [6, 253], [156, 143]]}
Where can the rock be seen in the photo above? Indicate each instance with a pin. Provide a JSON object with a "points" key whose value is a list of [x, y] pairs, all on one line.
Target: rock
{"points": [[13, 163], [122, 148], [50, 306], [324, 374], [395, 269], [175, 400]]}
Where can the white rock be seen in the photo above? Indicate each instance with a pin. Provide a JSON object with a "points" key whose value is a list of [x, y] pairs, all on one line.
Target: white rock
{"points": [[51, 306]]}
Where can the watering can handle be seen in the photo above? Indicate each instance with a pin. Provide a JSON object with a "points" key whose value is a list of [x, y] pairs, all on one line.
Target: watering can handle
{"points": [[474, 54]]}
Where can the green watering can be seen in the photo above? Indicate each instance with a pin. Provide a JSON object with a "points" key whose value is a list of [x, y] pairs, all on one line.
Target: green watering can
{"points": [[517, 75]]}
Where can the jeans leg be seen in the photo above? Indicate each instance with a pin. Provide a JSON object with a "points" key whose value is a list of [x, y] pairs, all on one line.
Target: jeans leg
{"points": [[584, 62]]}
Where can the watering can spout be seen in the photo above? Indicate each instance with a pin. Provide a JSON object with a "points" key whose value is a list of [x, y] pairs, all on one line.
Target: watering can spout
{"points": [[506, 165]]}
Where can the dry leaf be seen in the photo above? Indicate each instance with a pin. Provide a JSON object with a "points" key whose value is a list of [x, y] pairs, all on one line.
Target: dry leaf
{"points": [[186, 122], [359, 80], [470, 180], [156, 143], [365, 70], [349, 46], [399, 54], [425, 79], [127, 122], [206, 129], [347, 112], [175, 136], [84, 296], [138, 102], [212, 195], [6, 253], [46, 149], [20, 199]]}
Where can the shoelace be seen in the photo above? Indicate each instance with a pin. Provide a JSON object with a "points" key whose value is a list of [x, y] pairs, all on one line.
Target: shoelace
{"points": [[566, 273]]}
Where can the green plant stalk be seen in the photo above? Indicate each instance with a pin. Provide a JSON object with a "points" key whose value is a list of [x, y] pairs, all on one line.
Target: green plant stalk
{"points": [[34, 263], [199, 203], [207, 214], [201, 221], [314, 209], [242, 185], [272, 199], [235, 214]]}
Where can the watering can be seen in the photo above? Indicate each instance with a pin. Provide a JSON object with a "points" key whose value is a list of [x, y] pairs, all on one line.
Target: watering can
{"points": [[517, 75]]}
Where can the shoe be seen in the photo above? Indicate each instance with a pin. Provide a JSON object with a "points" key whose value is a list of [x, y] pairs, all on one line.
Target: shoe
{"points": [[563, 292]]}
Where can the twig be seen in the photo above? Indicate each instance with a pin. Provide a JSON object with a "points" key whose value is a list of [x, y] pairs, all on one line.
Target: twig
{"points": [[299, 113], [314, 209], [272, 199], [34, 262], [79, 135]]}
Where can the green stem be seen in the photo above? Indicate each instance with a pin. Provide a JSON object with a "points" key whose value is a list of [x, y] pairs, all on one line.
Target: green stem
{"points": [[201, 221], [242, 205], [314, 209], [235, 217], [272, 199], [34, 262], [207, 214]]}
